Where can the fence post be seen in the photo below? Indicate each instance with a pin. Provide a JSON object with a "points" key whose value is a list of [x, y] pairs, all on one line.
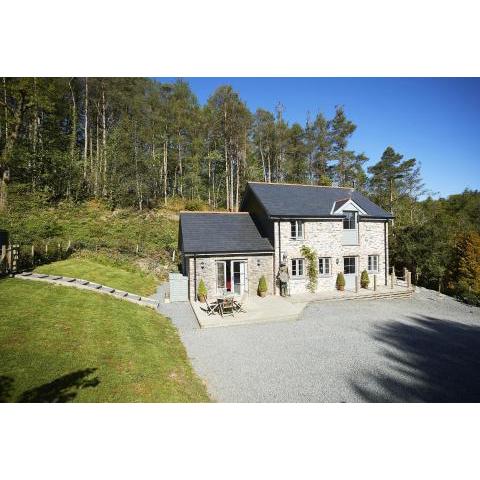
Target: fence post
{"points": [[46, 248], [392, 279], [374, 283], [409, 279], [33, 256], [357, 283], [69, 244]]}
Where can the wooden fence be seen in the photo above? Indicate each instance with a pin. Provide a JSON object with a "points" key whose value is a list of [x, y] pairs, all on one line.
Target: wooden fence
{"points": [[15, 258]]}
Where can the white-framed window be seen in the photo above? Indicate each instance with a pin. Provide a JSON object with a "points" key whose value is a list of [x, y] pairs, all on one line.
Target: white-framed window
{"points": [[373, 263], [324, 267], [296, 229], [349, 265], [297, 267], [350, 220]]}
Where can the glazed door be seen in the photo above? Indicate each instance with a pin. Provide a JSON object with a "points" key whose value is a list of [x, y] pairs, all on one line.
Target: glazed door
{"points": [[238, 276]]}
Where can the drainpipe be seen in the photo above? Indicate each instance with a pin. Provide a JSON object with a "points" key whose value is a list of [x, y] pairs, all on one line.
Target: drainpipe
{"points": [[279, 249], [195, 276], [385, 230]]}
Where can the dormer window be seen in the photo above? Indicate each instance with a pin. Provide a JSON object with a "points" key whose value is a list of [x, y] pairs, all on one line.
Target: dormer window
{"points": [[296, 229], [350, 220]]}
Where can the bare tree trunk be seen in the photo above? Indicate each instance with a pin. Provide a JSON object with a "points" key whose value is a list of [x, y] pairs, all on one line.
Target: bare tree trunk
{"points": [[137, 176], [262, 156], [180, 167], [209, 177], [227, 180], [73, 139], [104, 144], [165, 170], [97, 162], [85, 131]]}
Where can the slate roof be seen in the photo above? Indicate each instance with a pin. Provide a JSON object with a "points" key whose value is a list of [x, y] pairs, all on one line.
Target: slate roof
{"points": [[211, 232], [303, 201]]}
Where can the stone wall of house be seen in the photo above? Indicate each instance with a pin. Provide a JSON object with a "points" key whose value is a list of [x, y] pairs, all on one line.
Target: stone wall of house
{"points": [[326, 237], [257, 265]]}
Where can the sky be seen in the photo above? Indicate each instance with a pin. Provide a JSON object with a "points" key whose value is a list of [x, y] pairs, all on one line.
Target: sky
{"points": [[435, 120]]}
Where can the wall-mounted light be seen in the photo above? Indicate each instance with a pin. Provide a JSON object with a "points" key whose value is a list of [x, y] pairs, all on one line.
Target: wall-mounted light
{"points": [[258, 262], [338, 261], [202, 264], [284, 257]]}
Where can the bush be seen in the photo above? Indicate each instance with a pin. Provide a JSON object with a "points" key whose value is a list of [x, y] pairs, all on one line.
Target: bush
{"points": [[470, 298], [202, 289], [340, 281], [262, 285], [364, 280], [194, 205]]}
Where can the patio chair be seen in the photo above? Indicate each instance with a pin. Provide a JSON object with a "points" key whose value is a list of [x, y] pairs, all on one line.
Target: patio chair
{"points": [[228, 306], [238, 304], [212, 308]]}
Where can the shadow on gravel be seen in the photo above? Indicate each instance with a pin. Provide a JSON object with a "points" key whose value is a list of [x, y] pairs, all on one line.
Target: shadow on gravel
{"points": [[431, 360]]}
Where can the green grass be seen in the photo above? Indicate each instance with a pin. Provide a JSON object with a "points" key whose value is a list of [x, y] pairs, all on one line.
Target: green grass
{"points": [[131, 280], [63, 344]]}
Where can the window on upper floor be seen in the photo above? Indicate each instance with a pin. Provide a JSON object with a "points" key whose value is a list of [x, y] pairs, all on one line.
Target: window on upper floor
{"points": [[373, 263], [296, 229], [350, 220], [324, 266], [297, 267]]}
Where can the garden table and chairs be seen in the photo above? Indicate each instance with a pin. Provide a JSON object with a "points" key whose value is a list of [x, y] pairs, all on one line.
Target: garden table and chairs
{"points": [[226, 304]]}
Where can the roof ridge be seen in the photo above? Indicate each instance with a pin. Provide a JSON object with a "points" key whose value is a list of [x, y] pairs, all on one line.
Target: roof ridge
{"points": [[215, 211], [298, 184]]}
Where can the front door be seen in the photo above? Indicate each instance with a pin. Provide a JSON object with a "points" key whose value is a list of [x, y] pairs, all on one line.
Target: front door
{"points": [[350, 271], [239, 277]]}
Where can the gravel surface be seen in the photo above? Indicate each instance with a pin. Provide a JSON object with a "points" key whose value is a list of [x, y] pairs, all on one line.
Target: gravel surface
{"points": [[426, 348]]}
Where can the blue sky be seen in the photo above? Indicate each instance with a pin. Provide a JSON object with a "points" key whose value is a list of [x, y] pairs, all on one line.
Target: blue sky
{"points": [[435, 120]]}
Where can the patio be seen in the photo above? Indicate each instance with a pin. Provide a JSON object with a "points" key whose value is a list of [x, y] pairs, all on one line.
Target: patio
{"points": [[274, 308], [256, 310]]}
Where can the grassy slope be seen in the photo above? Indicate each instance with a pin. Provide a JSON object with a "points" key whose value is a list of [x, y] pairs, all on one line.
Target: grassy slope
{"points": [[133, 281], [71, 345], [93, 226]]}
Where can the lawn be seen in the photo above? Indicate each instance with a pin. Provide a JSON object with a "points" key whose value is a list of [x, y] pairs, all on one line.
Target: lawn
{"points": [[61, 344], [132, 280]]}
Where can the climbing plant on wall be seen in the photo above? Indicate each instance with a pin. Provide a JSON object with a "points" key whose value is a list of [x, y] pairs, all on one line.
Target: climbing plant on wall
{"points": [[312, 271]]}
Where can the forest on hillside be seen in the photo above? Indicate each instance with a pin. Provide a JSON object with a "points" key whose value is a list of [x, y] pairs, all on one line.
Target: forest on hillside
{"points": [[140, 144]]}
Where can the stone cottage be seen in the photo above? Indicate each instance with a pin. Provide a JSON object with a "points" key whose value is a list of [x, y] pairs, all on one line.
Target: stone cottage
{"points": [[231, 251]]}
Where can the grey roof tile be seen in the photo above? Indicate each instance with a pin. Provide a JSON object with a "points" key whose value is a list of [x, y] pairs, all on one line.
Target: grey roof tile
{"points": [[210, 232], [289, 200]]}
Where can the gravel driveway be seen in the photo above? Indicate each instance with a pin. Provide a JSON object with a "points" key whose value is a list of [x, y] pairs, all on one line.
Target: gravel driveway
{"points": [[426, 348]]}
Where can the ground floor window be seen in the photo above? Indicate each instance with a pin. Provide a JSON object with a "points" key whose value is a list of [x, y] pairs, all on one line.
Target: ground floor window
{"points": [[297, 267], [349, 264], [373, 263], [324, 266]]}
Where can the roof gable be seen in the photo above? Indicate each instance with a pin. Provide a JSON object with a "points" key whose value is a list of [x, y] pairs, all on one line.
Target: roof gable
{"points": [[304, 201]]}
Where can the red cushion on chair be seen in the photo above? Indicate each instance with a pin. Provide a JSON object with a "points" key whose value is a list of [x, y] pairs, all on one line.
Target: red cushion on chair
{"points": [[229, 285]]}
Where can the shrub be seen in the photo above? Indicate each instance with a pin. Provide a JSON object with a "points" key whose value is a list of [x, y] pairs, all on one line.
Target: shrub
{"points": [[364, 280], [262, 285], [194, 205], [202, 289], [340, 281]]}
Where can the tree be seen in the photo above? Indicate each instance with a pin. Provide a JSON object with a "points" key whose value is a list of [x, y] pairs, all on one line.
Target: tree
{"points": [[392, 178]]}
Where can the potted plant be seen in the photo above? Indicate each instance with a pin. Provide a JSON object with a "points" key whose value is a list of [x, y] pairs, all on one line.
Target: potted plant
{"points": [[202, 291], [340, 282], [364, 280], [262, 286]]}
